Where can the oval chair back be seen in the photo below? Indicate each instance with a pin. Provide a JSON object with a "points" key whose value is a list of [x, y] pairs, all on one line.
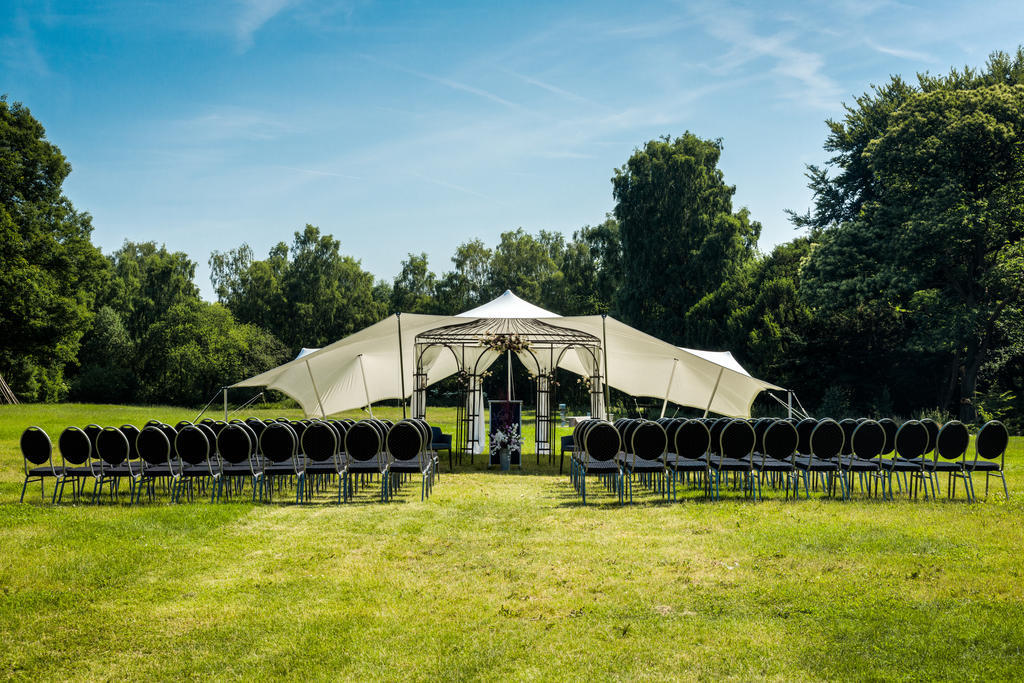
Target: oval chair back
{"points": [[992, 440], [890, 428], [364, 441], [192, 445], [867, 440], [131, 432], [75, 446], [716, 428], [780, 440], [153, 446], [36, 448], [256, 427], [692, 439], [649, 441], [737, 440], [181, 424], [278, 443], [952, 441], [804, 428], [760, 427], [405, 441], [112, 446], [235, 444], [911, 440], [320, 442], [827, 439], [93, 431], [602, 441]]}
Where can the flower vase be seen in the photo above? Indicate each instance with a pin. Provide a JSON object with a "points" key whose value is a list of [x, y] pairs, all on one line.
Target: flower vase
{"points": [[505, 458]]}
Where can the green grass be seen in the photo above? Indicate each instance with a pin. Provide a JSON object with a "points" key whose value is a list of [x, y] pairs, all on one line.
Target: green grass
{"points": [[504, 576]]}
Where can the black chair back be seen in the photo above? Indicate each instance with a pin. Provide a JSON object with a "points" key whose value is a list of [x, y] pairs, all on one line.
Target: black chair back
{"points": [[649, 440], [737, 439], [75, 446], [364, 441], [35, 446], [867, 440], [153, 446], [692, 439], [235, 443], [112, 446], [992, 440], [849, 427], [405, 441], [911, 440], [952, 441], [601, 441], [278, 442], [780, 440], [192, 445], [827, 439], [716, 428], [933, 429], [93, 431], [131, 432], [320, 442]]}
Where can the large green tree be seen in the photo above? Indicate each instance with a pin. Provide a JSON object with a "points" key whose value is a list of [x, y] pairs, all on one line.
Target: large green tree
{"points": [[308, 294], [49, 268], [937, 239], [413, 288], [680, 237]]}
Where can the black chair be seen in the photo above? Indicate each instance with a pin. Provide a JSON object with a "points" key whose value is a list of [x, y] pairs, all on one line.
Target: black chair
{"points": [[320, 446], [600, 443], [407, 447], [567, 444], [866, 444], [910, 444], [778, 444], [644, 457], [950, 456], [280, 447], [111, 466], [989, 445], [37, 454], [825, 444], [154, 449], [691, 440], [236, 445], [194, 447], [364, 445], [439, 441], [735, 450], [76, 451]]}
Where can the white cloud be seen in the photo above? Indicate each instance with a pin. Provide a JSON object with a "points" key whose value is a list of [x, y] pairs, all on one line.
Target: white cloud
{"points": [[253, 15]]}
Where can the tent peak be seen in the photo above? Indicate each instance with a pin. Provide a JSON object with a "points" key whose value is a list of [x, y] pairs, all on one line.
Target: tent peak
{"points": [[508, 305]]}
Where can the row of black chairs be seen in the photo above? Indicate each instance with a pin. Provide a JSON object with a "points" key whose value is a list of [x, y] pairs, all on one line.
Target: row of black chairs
{"points": [[784, 453], [223, 457]]}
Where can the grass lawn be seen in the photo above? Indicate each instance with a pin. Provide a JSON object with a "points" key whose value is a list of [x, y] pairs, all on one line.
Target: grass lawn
{"points": [[502, 576]]}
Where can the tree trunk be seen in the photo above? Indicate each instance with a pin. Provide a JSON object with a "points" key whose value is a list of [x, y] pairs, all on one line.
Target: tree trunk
{"points": [[968, 409], [954, 374]]}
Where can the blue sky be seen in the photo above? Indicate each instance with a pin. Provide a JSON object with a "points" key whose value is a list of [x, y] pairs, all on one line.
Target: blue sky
{"points": [[408, 127]]}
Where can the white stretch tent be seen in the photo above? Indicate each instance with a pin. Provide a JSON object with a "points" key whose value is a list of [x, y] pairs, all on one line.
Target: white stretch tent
{"points": [[368, 366]]}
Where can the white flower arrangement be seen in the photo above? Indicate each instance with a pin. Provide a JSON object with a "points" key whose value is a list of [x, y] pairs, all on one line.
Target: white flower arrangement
{"points": [[509, 437]]}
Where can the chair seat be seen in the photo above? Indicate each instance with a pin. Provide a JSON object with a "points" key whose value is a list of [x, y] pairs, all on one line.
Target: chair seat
{"points": [[729, 464], [943, 465], [237, 470], [364, 467], [860, 465], [816, 465], [410, 467], [326, 467], [981, 466], [899, 465], [640, 464], [116, 472], [600, 466], [686, 464], [772, 465], [156, 471], [46, 471]]}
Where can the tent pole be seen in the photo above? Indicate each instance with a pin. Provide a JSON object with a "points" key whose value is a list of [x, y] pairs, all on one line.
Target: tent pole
{"points": [[604, 352], [714, 391], [401, 361], [316, 392], [366, 389], [789, 397], [671, 376], [225, 404], [508, 381]]}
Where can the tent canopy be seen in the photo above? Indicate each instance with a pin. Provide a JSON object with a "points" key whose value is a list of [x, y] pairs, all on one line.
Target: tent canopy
{"points": [[368, 366]]}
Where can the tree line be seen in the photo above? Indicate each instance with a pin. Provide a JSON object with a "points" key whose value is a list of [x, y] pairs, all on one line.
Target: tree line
{"points": [[901, 292]]}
